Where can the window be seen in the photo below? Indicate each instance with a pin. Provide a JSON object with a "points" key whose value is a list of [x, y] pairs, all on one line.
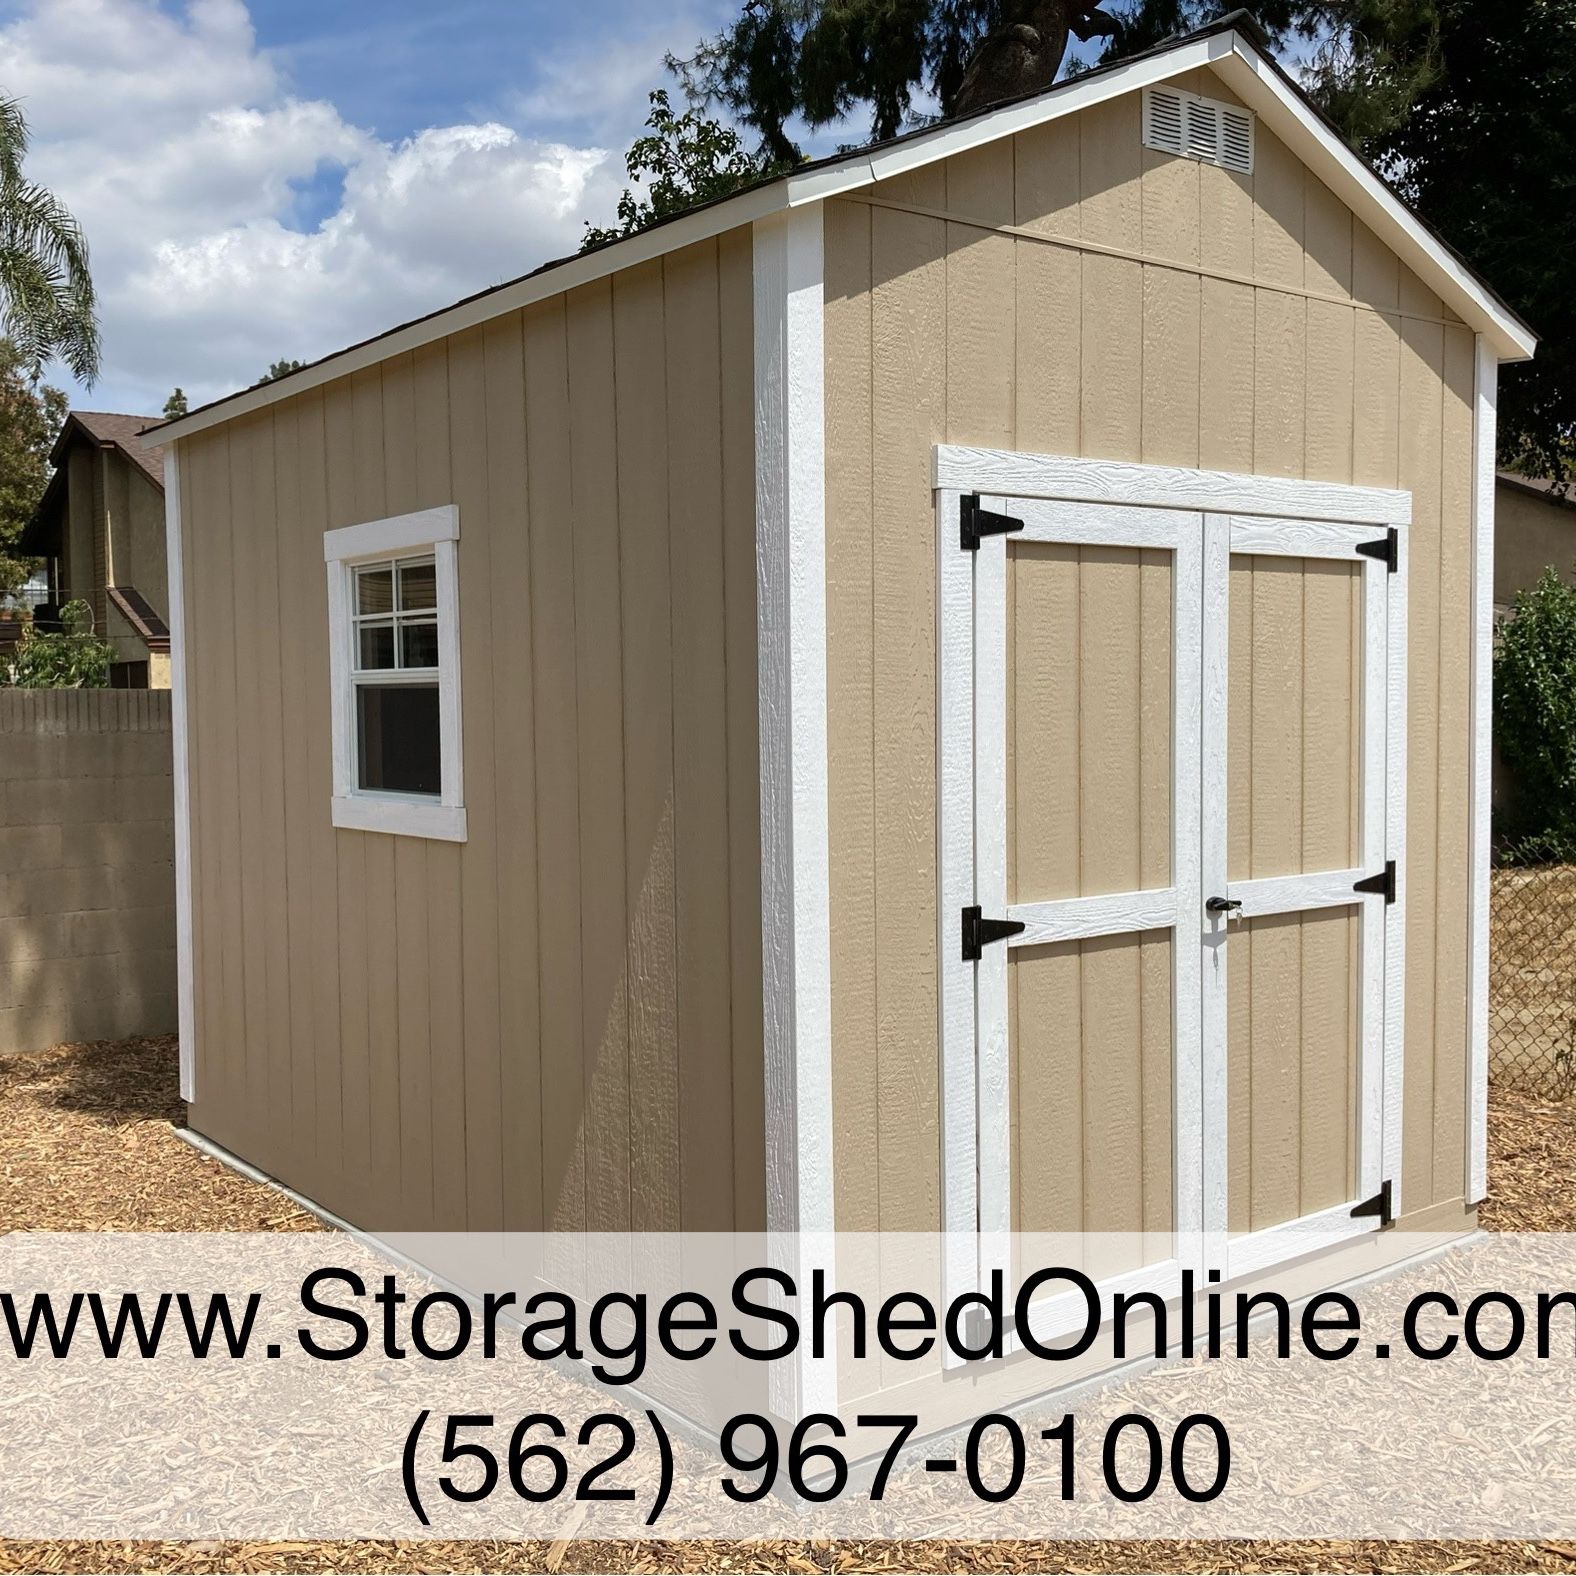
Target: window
{"points": [[394, 661]]}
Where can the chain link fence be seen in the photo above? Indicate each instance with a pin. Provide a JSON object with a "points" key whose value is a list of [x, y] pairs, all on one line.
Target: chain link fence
{"points": [[1532, 980]]}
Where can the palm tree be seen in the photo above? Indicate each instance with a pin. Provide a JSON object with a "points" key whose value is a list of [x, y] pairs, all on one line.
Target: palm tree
{"points": [[47, 305]]}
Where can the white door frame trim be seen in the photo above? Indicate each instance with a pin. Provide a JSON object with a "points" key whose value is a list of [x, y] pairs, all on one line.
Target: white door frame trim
{"points": [[963, 469], [1314, 517], [790, 536]]}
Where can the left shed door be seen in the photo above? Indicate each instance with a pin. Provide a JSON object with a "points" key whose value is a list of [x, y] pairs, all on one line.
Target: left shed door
{"points": [[1070, 709]]}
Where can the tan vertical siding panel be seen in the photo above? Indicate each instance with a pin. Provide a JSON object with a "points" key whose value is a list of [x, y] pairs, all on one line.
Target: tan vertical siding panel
{"points": [[449, 1048], [1327, 236], [1332, 351], [1422, 359], [910, 412], [1155, 810], [1044, 811], [503, 1102], [599, 672], [1109, 751], [1047, 1034], [1049, 285], [341, 489], [646, 633], [312, 825], [850, 660], [390, 1165], [701, 1052], [465, 1039], [1376, 270], [1110, 213], [298, 680], [1275, 972], [1332, 699], [735, 254], [244, 897], [981, 335], [1226, 330], [556, 753], [1112, 332], [1172, 307], [1452, 894], [1376, 425], [409, 912]]}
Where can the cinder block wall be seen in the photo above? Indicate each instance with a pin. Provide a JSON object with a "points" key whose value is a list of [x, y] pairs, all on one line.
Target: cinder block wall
{"points": [[87, 867]]}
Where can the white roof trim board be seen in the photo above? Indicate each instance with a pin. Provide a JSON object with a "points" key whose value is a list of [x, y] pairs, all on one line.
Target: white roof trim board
{"points": [[1242, 66]]}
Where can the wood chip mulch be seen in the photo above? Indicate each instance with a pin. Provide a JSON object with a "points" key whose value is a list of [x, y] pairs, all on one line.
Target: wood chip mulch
{"points": [[86, 1145]]}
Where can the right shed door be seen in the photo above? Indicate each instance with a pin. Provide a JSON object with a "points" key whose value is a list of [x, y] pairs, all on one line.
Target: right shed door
{"points": [[1301, 815]]}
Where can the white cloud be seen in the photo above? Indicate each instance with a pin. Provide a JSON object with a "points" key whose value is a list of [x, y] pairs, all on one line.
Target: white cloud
{"points": [[177, 143]]}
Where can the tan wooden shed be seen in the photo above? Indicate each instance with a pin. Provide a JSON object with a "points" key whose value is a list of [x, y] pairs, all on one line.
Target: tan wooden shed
{"points": [[949, 690]]}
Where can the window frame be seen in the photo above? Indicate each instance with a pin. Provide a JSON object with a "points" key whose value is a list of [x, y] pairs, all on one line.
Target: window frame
{"points": [[430, 533]]}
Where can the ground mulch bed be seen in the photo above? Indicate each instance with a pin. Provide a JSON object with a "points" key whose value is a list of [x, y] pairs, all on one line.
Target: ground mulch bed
{"points": [[86, 1145]]}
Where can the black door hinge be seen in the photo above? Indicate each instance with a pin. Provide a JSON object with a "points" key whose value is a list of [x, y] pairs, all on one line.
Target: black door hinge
{"points": [[1387, 549], [979, 932], [1383, 882], [975, 523], [1380, 1205]]}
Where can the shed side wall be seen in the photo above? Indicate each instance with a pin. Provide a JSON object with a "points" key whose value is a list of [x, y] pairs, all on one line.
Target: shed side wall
{"points": [[1333, 364], [556, 1024]]}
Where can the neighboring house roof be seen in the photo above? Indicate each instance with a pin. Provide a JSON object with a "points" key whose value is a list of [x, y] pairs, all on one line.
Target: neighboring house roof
{"points": [[111, 430], [104, 430], [1234, 46], [1537, 487], [135, 608]]}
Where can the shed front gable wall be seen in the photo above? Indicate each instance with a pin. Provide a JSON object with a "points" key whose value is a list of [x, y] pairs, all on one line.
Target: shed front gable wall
{"points": [[1173, 314], [557, 1023]]}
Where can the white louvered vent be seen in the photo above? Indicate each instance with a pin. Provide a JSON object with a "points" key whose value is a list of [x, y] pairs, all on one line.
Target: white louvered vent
{"points": [[1191, 127]]}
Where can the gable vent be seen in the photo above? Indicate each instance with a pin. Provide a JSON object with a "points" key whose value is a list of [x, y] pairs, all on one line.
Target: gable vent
{"points": [[1191, 127]]}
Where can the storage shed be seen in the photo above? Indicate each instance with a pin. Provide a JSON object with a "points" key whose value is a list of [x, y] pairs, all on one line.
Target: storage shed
{"points": [[948, 690]]}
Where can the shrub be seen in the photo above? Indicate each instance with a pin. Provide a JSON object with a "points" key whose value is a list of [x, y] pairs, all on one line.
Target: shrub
{"points": [[1535, 712], [72, 657]]}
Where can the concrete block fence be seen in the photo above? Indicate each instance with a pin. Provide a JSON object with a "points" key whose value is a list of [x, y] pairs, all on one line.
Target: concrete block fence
{"points": [[87, 867]]}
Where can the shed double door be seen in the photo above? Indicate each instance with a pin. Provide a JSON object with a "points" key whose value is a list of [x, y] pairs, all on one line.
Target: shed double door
{"points": [[1168, 819]]}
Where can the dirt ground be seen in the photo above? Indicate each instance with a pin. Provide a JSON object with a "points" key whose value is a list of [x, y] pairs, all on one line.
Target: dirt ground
{"points": [[85, 1144]]}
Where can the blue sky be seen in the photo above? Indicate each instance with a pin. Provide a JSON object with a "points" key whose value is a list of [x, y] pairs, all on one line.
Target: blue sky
{"points": [[279, 178], [282, 177]]}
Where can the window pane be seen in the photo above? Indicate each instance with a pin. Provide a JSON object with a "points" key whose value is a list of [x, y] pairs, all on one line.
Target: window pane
{"points": [[377, 645], [418, 586], [418, 645], [397, 738], [375, 589]]}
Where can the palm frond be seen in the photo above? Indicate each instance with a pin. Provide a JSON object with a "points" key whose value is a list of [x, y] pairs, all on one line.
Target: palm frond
{"points": [[47, 301]]}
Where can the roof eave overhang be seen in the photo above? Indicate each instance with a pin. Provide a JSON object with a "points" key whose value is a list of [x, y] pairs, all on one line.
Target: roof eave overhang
{"points": [[1250, 73]]}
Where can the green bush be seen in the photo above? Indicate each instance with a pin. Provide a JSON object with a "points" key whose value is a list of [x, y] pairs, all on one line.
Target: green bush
{"points": [[72, 657], [1535, 715]]}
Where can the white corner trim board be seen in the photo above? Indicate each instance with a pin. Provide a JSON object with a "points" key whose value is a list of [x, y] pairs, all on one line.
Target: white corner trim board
{"points": [[1484, 438], [405, 815], [790, 523], [185, 983]]}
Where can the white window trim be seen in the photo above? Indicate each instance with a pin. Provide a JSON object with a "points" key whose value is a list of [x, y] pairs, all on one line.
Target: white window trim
{"points": [[434, 531]]}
